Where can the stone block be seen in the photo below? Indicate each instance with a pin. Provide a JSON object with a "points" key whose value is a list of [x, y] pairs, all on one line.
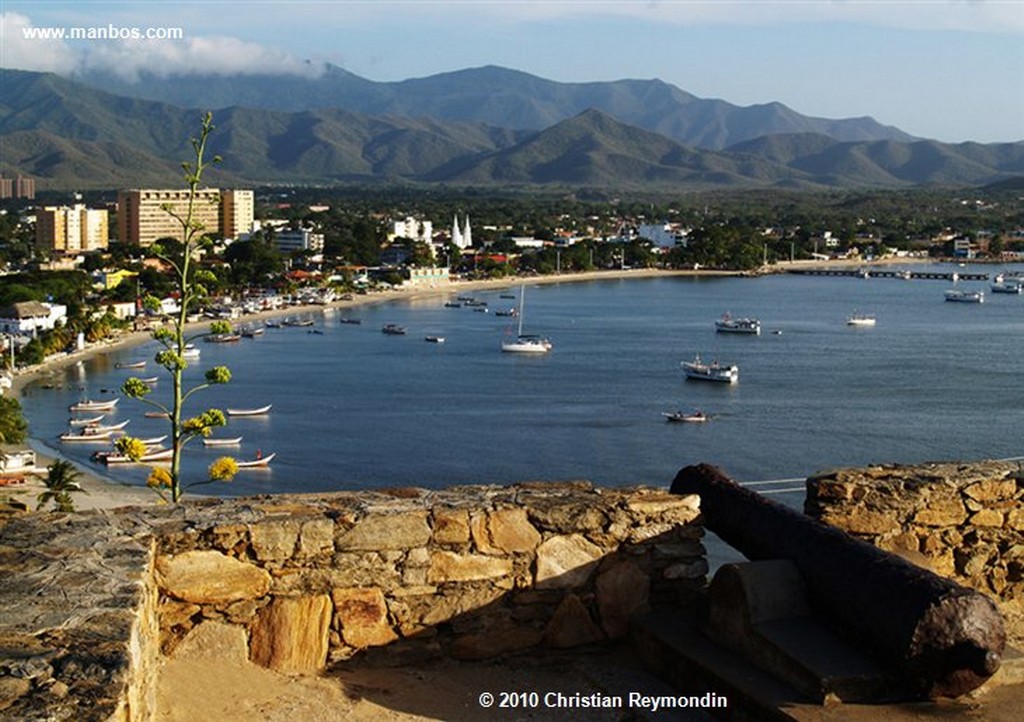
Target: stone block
{"points": [[451, 526], [495, 642], [859, 520], [622, 590], [451, 567], [363, 616], [316, 536], [691, 570], [566, 561], [1015, 519], [481, 535], [290, 634], [992, 489], [987, 518], [215, 641], [942, 512], [511, 531], [210, 577], [377, 532], [274, 540], [571, 625]]}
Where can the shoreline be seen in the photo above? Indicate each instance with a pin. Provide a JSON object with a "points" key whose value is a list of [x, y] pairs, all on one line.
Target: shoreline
{"points": [[103, 493]]}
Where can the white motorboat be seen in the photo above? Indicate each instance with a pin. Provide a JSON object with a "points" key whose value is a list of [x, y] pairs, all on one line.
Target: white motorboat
{"points": [[714, 371], [250, 412], [860, 319], [525, 343], [728, 324], [258, 463], [1009, 285], [958, 296]]}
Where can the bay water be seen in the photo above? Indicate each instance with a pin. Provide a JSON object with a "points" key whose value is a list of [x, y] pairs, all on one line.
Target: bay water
{"points": [[354, 408]]}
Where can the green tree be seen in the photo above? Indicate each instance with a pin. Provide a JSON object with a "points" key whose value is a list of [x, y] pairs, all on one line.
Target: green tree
{"points": [[61, 482], [13, 427], [190, 288]]}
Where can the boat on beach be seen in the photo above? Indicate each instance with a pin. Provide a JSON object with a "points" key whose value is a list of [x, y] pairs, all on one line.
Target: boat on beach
{"points": [[223, 442], [250, 412], [697, 416], [714, 371], [728, 324]]}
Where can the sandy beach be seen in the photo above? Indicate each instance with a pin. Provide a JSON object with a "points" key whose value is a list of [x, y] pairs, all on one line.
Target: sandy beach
{"points": [[101, 493]]}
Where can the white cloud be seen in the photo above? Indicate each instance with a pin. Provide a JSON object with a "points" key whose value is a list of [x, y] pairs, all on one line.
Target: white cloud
{"points": [[17, 51], [215, 55]]}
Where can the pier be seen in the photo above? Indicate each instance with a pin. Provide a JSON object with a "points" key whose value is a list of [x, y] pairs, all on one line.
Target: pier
{"points": [[883, 273]]}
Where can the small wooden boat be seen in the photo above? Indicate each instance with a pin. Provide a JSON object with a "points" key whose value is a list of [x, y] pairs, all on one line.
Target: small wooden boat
{"points": [[223, 442], [88, 438], [257, 463], [695, 417], [253, 332], [156, 415], [272, 324], [250, 412], [191, 351], [130, 365], [154, 440], [353, 321], [223, 338], [453, 304], [94, 405], [92, 421], [393, 329], [96, 429], [148, 457], [149, 379]]}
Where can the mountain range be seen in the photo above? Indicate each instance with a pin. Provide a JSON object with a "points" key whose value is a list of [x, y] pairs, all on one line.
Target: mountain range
{"points": [[487, 126]]}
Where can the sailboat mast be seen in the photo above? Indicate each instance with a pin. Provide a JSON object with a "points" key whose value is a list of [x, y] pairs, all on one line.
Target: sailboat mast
{"points": [[522, 295]]}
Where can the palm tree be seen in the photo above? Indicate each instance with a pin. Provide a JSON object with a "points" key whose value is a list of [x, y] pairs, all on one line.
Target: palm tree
{"points": [[61, 481]]}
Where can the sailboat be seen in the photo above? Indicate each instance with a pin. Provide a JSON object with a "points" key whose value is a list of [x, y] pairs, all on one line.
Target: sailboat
{"points": [[525, 343]]}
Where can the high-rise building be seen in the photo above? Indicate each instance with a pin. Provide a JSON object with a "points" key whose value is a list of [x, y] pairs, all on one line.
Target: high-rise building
{"points": [[144, 216], [237, 211], [71, 230], [20, 187]]}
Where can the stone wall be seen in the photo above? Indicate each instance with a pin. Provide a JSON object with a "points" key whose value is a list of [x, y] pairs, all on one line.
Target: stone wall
{"points": [[309, 581], [964, 521]]}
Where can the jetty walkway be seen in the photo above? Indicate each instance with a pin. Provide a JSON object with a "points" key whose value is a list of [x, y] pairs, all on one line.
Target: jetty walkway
{"points": [[888, 273]]}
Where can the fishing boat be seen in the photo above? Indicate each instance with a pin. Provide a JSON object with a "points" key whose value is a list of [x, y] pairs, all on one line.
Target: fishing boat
{"points": [[525, 343], [958, 296], [257, 463], [393, 329], [250, 412], [146, 458], [859, 319], [130, 365], [91, 421], [681, 416], [223, 442], [714, 371], [94, 405], [1008, 285], [348, 320], [253, 331], [728, 324], [156, 415], [434, 339], [96, 429], [149, 379], [154, 440], [87, 437], [223, 337], [191, 352]]}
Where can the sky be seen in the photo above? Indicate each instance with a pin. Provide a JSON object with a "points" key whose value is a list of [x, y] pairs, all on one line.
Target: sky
{"points": [[950, 70]]}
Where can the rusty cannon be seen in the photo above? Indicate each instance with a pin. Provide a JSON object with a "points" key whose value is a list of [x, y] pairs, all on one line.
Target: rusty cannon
{"points": [[943, 639]]}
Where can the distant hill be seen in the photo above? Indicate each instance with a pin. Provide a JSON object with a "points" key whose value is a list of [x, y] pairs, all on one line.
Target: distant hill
{"points": [[70, 136], [505, 98]]}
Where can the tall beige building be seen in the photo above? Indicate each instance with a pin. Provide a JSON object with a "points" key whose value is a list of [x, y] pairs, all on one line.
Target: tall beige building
{"points": [[75, 229], [142, 218], [237, 211]]}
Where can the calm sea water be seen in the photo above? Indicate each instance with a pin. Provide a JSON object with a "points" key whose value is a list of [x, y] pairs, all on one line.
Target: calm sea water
{"points": [[354, 408]]}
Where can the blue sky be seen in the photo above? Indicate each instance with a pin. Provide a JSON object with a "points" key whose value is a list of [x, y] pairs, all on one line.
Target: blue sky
{"points": [[952, 70]]}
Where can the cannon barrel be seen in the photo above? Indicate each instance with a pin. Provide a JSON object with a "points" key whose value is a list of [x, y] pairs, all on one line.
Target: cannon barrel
{"points": [[944, 639]]}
